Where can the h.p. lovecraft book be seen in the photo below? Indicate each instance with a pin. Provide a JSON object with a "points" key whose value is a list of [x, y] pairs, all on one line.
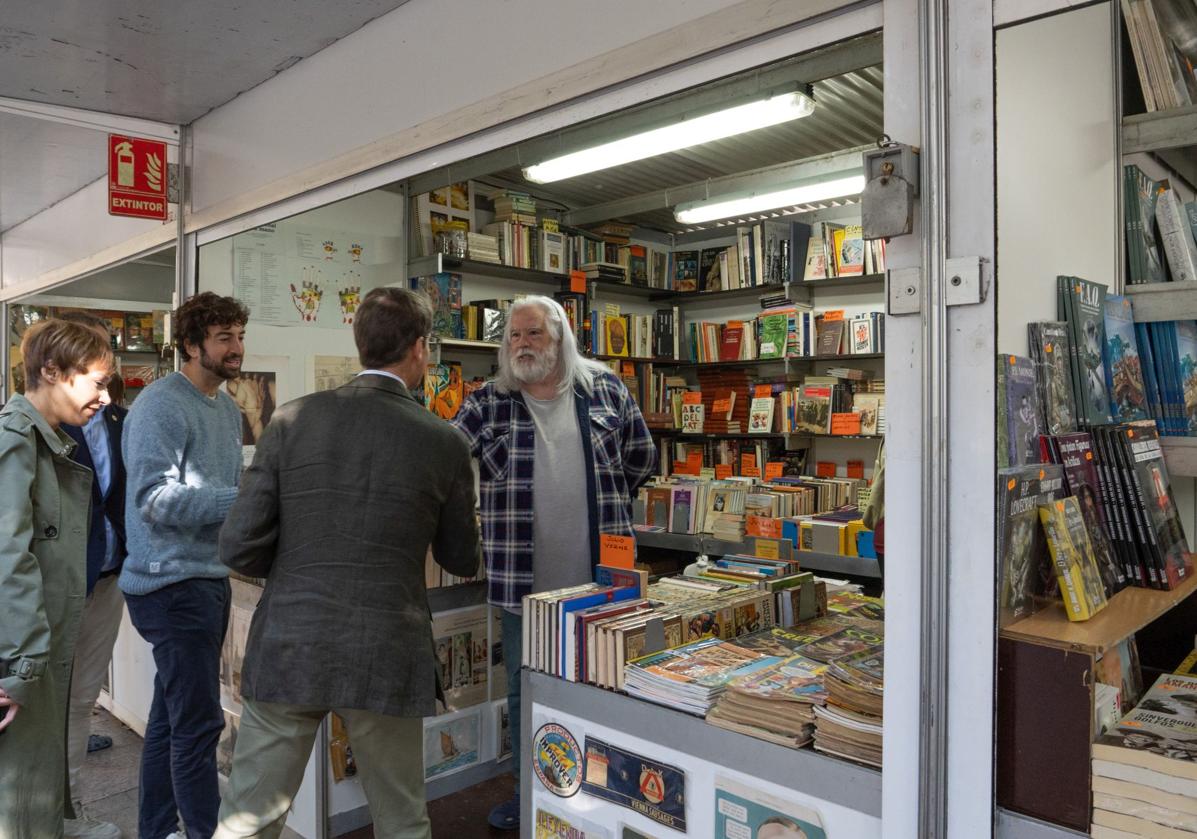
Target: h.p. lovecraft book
{"points": [[1017, 377], [1050, 353], [1026, 577], [1085, 314], [1076, 569], [1075, 453]]}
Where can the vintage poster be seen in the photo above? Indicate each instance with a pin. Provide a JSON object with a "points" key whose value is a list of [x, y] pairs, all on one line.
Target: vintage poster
{"points": [[646, 786], [557, 760], [462, 655], [256, 392], [329, 372], [745, 813], [554, 825], [451, 743]]}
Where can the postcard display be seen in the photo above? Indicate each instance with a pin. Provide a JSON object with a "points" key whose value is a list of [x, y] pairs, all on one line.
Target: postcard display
{"points": [[589, 780]]}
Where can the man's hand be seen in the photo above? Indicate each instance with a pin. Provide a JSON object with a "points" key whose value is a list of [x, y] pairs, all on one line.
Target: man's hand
{"points": [[10, 709]]}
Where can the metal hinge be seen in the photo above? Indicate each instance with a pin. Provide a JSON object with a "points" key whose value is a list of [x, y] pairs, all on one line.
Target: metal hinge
{"points": [[966, 285]]}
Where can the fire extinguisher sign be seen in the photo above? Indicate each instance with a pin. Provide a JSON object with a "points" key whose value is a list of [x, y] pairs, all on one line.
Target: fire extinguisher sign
{"points": [[136, 177]]}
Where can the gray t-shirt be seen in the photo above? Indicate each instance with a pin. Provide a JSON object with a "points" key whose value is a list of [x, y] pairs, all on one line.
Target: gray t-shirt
{"points": [[561, 526]]}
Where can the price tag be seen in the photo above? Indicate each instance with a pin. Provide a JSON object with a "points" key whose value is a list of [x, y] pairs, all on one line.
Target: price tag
{"points": [[833, 315], [774, 469], [825, 469], [577, 281], [767, 549], [762, 391], [845, 423], [723, 471]]}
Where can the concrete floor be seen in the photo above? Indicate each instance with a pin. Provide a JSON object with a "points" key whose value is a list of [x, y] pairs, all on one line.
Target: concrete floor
{"points": [[110, 782]]}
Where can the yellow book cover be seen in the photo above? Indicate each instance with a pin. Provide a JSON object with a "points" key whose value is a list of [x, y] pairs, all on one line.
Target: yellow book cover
{"points": [[1076, 567], [837, 239], [617, 336]]}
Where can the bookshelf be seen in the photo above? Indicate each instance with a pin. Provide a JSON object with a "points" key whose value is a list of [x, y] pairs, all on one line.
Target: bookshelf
{"points": [[1163, 301], [704, 543], [1160, 130], [1180, 453], [437, 263], [719, 296]]}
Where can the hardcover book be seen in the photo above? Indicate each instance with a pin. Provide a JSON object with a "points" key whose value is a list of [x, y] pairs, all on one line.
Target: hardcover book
{"points": [[1022, 414], [1050, 353], [1087, 329], [685, 270], [1076, 568], [1171, 549], [1080, 478], [1124, 373], [1024, 569]]}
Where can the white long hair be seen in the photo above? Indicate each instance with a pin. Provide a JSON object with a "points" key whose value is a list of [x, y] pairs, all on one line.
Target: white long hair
{"points": [[573, 366]]}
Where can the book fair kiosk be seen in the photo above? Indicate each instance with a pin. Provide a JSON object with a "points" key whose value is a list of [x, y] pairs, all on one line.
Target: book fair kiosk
{"points": [[848, 249]]}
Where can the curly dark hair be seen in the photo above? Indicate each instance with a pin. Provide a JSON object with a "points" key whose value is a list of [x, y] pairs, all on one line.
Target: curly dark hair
{"points": [[192, 319]]}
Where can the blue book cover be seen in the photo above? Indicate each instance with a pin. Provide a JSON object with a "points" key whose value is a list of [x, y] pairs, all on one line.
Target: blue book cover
{"points": [[1186, 374], [585, 601], [1123, 368], [1150, 383]]}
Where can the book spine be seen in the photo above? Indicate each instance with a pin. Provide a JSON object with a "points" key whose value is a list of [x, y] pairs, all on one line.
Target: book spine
{"points": [[1145, 534]]}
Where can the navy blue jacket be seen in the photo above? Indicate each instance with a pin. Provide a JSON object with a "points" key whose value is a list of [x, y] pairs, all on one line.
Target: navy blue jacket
{"points": [[110, 506]]}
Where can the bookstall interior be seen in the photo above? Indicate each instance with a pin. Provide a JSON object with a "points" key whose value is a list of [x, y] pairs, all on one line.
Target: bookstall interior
{"points": [[752, 337], [1097, 421]]}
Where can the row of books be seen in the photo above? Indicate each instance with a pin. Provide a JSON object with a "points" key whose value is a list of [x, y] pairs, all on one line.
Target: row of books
{"points": [[788, 331], [1156, 219], [1100, 517], [1144, 769], [1160, 35], [1096, 366]]}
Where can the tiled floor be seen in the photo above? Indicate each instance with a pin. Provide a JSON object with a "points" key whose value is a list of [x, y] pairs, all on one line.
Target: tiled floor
{"points": [[110, 791]]}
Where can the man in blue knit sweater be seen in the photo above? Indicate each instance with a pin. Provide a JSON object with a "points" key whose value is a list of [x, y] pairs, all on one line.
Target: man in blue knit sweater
{"points": [[182, 451]]}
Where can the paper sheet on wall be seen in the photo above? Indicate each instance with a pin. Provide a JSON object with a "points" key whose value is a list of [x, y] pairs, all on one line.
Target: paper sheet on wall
{"points": [[332, 371], [309, 276]]}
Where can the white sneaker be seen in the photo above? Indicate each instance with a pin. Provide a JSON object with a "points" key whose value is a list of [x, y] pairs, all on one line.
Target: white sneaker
{"points": [[85, 828], [178, 834]]}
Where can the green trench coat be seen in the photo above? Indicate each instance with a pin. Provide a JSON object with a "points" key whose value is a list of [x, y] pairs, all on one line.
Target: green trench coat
{"points": [[44, 507]]}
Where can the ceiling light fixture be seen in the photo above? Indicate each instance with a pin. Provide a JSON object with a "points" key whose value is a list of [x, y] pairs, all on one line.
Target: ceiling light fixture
{"points": [[694, 131], [697, 212]]}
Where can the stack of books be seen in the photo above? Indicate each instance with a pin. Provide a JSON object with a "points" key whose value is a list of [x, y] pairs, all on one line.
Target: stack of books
{"points": [[775, 704], [691, 677], [483, 248], [515, 206], [850, 724], [1145, 773]]}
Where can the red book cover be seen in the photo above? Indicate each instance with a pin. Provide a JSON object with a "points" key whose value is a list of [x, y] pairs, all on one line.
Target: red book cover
{"points": [[729, 344]]}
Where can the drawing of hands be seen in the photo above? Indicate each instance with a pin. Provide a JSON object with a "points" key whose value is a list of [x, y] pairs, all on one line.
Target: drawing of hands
{"points": [[307, 297], [248, 394], [349, 294]]}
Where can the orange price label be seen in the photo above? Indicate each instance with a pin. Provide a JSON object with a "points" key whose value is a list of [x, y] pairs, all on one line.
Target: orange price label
{"points": [[747, 461], [694, 460], [770, 528], [774, 469], [692, 397], [825, 469], [845, 423], [577, 282], [833, 315], [617, 551], [680, 468], [721, 406], [723, 471], [762, 391]]}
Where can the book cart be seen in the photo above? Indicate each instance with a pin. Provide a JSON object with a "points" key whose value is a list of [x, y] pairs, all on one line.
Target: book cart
{"points": [[1046, 665]]}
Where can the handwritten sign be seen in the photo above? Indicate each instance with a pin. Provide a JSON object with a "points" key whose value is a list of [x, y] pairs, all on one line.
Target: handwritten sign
{"points": [[617, 551]]}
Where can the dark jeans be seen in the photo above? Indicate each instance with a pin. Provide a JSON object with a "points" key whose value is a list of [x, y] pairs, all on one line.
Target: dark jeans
{"points": [[185, 624], [513, 650]]}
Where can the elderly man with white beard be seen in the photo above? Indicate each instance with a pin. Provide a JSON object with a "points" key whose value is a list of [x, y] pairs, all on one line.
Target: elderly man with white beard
{"points": [[561, 449]]}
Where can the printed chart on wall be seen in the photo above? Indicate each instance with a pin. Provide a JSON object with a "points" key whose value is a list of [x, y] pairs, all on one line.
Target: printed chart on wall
{"points": [[329, 372], [745, 813], [292, 276]]}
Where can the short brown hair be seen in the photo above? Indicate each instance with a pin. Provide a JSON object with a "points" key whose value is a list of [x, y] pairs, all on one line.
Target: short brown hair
{"points": [[388, 324], [192, 319], [67, 347]]}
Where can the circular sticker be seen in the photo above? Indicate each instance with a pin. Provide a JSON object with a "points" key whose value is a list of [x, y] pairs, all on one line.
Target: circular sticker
{"points": [[557, 760]]}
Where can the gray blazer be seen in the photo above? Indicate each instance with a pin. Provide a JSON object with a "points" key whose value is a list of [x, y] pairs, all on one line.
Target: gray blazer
{"points": [[347, 491]]}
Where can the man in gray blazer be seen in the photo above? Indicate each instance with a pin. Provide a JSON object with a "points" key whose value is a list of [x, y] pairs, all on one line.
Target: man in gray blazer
{"points": [[347, 491]]}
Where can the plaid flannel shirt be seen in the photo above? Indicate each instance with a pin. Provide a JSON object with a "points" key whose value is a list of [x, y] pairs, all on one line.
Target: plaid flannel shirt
{"points": [[502, 436]]}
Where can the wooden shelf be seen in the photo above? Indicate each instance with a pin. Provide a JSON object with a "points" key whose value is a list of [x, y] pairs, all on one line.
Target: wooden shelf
{"points": [[1127, 612], [1159, 130], [1180, 453], [1163, 301], [865, 282]]}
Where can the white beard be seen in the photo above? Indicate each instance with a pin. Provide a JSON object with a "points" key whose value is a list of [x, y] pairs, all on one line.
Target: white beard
{"points": [[530, 367]]}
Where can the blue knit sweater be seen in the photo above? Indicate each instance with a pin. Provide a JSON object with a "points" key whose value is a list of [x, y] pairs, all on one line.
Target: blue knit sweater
{"points": [[182, 453]]}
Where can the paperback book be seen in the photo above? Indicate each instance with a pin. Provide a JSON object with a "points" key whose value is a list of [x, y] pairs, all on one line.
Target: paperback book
{"points": [[1076, 568]]}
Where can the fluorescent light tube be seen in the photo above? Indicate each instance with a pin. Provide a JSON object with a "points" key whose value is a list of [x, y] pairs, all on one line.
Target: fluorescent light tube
{"points": [[681, 135], [697, 212]]}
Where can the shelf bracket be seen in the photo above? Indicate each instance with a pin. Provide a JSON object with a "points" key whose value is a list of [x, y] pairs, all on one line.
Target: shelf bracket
{"points": [[905, 290], [967, 281]]}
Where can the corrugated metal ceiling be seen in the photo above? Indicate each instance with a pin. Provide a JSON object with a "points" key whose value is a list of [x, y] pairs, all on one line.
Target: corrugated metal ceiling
{"points": [[848, 113]]}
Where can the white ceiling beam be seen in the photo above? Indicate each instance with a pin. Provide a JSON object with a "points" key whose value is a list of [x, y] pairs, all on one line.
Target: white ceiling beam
{"points": [[94, 120]]}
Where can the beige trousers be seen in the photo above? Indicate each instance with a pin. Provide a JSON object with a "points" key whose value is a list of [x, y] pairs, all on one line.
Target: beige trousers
{"points": [[98, 629], [273, 745]]}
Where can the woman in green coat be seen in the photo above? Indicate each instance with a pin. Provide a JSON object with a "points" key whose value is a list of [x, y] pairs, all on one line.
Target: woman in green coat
{"points": [[44, 508]]}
